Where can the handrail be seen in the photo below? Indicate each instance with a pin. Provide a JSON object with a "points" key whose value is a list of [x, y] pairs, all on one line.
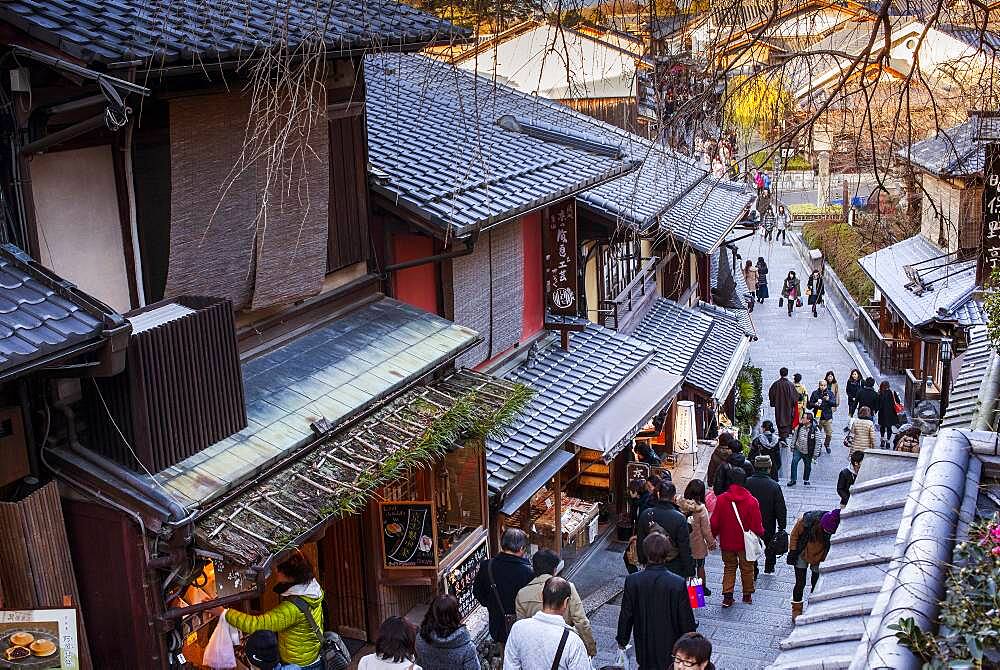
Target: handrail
{"points": [[648, 269]]}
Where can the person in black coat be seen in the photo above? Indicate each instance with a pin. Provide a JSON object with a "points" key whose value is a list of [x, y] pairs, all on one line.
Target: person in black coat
{"points": [[868, 397], [888, 418], [767, 443], [512, 572], [668, 516], [847, 477], [655, 608], [854, 385], [773, 512]]}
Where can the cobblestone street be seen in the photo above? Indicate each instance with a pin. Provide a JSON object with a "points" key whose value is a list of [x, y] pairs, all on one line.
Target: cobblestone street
{"points": [[747, 636]]}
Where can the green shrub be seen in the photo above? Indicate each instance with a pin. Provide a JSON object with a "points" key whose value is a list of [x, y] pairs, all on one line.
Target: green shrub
{"points": [[806, 208], [749, 399], [842, 245], [765, 159], [970, 612]]}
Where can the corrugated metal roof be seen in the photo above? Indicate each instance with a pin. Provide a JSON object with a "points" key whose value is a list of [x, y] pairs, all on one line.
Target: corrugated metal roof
{"points": [[948, 298], [569, 387], [40, 314], [114, 30], [334, 372], [433, 131], [963, 401]]}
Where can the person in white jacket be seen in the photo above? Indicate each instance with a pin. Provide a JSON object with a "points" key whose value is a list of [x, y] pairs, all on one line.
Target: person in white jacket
{"points": [[545, 641]]}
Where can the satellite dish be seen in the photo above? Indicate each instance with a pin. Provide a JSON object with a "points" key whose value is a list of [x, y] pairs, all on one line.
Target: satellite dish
{"points": [[926, 417]]}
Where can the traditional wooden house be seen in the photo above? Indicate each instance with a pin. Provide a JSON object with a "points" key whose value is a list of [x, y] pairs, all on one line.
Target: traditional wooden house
{"points": [[928, 285], [583, 69], [272, 415], [479, 158], [54, 340]]}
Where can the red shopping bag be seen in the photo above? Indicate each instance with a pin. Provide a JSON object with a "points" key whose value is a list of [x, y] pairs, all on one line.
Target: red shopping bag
{"points": [[696, 593]]}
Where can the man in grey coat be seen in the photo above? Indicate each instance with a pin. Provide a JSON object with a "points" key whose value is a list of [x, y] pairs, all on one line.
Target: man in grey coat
{"points": [[546, 563]]}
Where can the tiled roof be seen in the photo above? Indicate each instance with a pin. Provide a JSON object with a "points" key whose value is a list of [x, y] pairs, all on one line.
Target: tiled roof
{"points": [[334, 372], [827, 635], [951, 153], [950, 285], [435, 142], [456, 158], [722, 353], [675, 194], [703, 344], [730, 290], [964, 399], [987, 40], [569, 387], [117, 30], [41, 314]]}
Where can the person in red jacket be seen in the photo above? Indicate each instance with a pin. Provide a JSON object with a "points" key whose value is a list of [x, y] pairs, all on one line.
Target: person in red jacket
{"points": [[728, 528]]}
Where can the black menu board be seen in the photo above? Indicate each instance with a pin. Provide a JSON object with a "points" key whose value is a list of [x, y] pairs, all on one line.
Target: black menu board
{"points": [[408, 534], [635, 470], [459, 580]]}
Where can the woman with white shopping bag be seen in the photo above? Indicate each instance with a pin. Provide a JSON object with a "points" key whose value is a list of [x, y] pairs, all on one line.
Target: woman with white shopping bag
{"points": [[301, 600], [737, 523]]}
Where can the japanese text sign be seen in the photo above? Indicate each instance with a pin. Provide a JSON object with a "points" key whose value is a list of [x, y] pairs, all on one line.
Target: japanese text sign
{"points": [[560, 255], [989, 251]]}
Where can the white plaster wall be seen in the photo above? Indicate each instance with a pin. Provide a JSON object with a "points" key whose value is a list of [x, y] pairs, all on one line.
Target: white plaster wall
{"points": [[940, 201], [79, 232]]}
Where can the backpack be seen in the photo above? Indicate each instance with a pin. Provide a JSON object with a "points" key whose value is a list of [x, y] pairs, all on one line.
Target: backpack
{"points": [[649, 519], [332, 651]]}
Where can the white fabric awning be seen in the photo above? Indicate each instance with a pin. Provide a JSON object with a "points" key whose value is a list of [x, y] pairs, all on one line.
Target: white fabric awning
{"points": [[622, 417]]}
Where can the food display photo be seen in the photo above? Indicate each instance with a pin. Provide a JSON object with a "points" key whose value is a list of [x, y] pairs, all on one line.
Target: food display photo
{"points": [[29, 644]]}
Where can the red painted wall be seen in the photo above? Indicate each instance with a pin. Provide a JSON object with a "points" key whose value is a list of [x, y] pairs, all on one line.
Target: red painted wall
{"points": [[534, 305], [416, 286]]}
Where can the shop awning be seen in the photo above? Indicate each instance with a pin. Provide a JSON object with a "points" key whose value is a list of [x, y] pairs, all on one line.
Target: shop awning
{"points": [[615, 424], [345, 470], [522, 493]]}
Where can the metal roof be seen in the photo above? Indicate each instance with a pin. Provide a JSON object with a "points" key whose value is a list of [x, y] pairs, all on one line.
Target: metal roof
{"points": [[722, 353], [949, 294], [569, 387], [164, 32], [953, 152], [41, 314], [334, 372], [964, 399], [348, 467], [434, 133]]}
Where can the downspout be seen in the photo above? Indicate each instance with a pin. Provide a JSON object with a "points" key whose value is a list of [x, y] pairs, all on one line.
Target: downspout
{"points": [[470, 245]]}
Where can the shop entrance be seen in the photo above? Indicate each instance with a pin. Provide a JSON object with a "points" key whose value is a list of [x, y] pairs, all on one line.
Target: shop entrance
{"points": [[342, 577]]}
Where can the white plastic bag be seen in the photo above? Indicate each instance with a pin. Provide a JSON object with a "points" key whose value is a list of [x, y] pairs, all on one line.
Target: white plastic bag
{"points": [[623, 661], [219, 654]]}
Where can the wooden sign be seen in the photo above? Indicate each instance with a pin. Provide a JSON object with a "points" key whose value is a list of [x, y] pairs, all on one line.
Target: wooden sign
{"points": [[459, 580], [560, 258], [408, 534], [989, 250], [636, 470]]}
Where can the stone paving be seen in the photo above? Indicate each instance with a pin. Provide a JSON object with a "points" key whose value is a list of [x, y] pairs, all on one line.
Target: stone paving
{"points": [[747, 636]]}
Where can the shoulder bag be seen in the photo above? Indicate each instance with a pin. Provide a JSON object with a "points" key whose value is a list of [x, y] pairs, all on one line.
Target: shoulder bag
{"points": [[332, 651], [849, 438], [508, 619], [753, 546], [559, 651]]}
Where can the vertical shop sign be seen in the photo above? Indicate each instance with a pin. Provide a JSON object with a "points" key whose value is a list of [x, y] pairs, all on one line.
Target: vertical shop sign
{"points": [[460, 580], [559, 224], [989, 250]]}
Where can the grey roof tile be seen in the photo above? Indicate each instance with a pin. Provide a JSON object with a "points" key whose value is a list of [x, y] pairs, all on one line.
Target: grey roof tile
{"points": [[114, 30], [950, 293], [432, 130], [562, 380], [41, 314], [963, 402], [952, 152]]}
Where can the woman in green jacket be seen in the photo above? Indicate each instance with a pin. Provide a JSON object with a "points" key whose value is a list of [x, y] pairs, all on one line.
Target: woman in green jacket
{"points": [[297, 643]]}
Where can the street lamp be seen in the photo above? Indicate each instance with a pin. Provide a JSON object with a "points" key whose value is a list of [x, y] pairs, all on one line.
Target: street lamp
{"points": [[946, 357]]}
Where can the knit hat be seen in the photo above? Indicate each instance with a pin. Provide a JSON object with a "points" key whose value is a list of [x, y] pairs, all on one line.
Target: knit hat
{"points": [[262, 649], [830, 521], [762, 462]]}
